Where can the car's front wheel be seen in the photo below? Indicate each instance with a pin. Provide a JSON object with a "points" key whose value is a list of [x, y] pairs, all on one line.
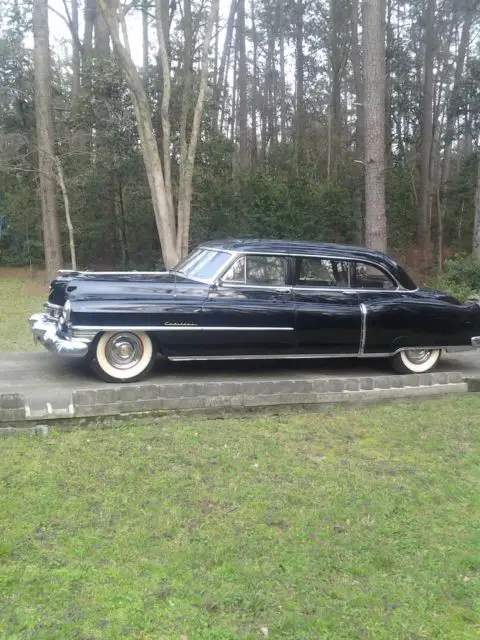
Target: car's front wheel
{"points": [[123, 356], [416, 360]]}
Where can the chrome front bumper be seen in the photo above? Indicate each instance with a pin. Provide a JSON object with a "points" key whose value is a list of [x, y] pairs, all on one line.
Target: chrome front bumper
{"points": [[45, 331]]}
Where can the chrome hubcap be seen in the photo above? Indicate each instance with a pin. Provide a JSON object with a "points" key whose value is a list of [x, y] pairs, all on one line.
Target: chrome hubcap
{"points": [[124, 350], [418, 356]]}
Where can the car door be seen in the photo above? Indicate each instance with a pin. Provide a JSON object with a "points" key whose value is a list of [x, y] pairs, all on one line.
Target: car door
{"points": [[395, 317], [327, 311], [250, 309]]}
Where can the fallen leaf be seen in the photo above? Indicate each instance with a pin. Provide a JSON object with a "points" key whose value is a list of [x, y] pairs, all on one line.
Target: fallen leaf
{"points": [[264, 630]]}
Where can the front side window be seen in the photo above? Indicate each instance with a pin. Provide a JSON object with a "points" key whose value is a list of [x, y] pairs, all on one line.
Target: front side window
{"points": [[367, 276], [322, 272], [203, 264], [267, 271]]}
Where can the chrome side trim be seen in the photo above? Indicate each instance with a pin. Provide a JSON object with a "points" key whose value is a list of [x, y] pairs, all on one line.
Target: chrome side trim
{"points": [[86, 335], [267, 287], [174, 328], [298, 288], [325, 257], [294, 356], [363, 330], [285, 356], [113, 273], [394, 353], [352, 290]]}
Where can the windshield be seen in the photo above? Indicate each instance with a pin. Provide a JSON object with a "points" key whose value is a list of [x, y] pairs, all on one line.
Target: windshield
{"points": [[203, 264]]}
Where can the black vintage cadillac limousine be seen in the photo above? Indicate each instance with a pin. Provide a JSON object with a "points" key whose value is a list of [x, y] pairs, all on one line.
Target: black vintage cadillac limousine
{"points": [[254, 299]]}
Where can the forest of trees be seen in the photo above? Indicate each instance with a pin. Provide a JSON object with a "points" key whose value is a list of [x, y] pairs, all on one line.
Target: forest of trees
{"points": [[337, 120]]}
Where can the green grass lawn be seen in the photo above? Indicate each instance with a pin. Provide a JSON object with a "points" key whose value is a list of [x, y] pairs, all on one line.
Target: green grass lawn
{"points": [[341, 525], [21, 294]]}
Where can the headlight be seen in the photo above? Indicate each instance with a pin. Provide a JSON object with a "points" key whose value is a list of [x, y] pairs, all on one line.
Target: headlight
{"points": [[67, 310]]}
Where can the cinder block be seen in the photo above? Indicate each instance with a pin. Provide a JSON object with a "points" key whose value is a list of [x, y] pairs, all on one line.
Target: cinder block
{"points": [[366, 384], [12, 401], [336, 385]]}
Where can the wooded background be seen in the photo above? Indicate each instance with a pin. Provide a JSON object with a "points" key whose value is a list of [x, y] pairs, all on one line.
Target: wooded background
{"points": [[266, 118]]}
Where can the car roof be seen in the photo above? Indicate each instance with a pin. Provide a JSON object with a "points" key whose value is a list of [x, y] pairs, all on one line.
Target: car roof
{"points": [[326, 249]]}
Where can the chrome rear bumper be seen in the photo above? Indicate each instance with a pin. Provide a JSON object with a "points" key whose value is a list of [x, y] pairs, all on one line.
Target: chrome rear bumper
{"points": [[44, 329]]}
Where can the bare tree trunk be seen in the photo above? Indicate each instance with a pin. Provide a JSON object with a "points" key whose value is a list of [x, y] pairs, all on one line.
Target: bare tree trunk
{"points": [[145, 42], [388, 81], [90, 11], [233, 114], [424, 229], [163, 26], [299, 83], [187, 77], [271, 97], [75, 55], [453, 105], [68, 219], [216, 48], [164, 218], [476, 226], [356, 61], [186, 97], [374, 77], [281, 54], [244, 159], [102, 39], [186, 181], [336, 64], [254, 146], [223, 63], [122, 227], [45, 139]]}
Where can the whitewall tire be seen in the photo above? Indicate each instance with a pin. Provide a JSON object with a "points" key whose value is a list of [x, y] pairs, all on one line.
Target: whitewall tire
{"points": [[123, 356], [416, 360]]}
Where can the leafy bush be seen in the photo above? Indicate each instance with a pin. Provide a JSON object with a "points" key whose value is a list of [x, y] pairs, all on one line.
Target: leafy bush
{"points": [[461, 277]]}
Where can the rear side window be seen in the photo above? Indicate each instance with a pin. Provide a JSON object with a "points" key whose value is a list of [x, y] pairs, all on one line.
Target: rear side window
{"points": [[367, 276], [322, 272], [258, 270]]}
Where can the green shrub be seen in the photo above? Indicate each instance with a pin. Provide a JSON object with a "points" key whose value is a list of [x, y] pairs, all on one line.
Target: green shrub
{"points": [[460, 277]]}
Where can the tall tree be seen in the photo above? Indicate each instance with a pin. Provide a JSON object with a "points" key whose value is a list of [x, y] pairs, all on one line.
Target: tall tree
{"points": [[222, 72], [374, 79], [281, 70], [242, 88], [337, 63], [476, 223], [424, 226], [299, 10], [45, 139], [172, 225]]}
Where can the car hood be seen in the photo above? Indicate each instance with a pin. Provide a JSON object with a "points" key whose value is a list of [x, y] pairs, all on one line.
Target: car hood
{"points": [[85, 286]]}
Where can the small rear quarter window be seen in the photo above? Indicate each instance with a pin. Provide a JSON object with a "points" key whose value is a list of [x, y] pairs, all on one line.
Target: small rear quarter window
{"points": [[368, 276]]}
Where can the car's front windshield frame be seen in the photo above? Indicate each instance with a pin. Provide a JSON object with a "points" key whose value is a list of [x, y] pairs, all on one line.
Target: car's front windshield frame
{"points": [[194, 265]]}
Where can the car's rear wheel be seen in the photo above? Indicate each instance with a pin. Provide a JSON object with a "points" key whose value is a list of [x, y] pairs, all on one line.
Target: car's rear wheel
{"points": [[123, 356], [416, 360]]}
